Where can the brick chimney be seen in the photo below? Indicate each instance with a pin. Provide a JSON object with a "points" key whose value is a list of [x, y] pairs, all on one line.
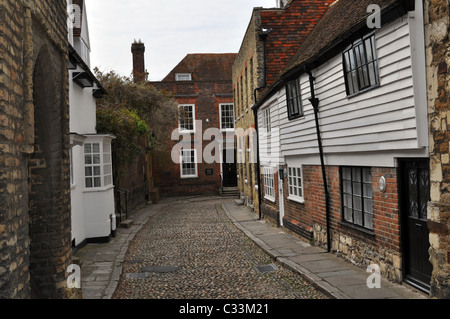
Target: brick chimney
{"points": [[139, 72]]}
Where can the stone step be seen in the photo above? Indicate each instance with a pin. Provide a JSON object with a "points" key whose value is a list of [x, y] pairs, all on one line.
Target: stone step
{"points": [[126, 223]]}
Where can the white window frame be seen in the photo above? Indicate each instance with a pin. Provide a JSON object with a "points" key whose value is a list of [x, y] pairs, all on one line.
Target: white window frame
{"points": [[267, 125], [179, 77], [269, 183], [296, 186], [182, 162], [92, 165], [183, 130], [103, 164], [221, 105], [107, 164]]}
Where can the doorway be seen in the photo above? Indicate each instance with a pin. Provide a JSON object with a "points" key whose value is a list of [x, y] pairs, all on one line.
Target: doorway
{"points": [[414, 181], [229, 168]]}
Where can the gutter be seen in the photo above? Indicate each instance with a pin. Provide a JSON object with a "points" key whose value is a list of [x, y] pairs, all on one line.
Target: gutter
{"points": [[315, 103], [77, 58]]}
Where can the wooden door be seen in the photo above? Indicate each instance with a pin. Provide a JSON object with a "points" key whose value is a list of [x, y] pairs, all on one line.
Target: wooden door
{"points": [[415, 195], [229, 168]]}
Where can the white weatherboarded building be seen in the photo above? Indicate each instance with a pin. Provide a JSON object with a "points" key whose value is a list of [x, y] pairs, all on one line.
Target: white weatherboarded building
{"points": [[354, 175]]}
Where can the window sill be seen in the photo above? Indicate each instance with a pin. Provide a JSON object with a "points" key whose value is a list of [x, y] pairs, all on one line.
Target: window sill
{"points": [[227, 130], [363, 91], [358, 228], [186, 131], [98, 189], [188, 177], [269, 198], [295, 117], [297, 200]]}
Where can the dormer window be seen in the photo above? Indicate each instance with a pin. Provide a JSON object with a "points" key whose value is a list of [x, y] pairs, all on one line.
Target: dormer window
{"points": [[183, 77]]}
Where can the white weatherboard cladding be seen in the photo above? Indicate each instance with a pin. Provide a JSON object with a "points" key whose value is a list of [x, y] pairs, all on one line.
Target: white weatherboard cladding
{"points": [[380, 120], [269, 143]]}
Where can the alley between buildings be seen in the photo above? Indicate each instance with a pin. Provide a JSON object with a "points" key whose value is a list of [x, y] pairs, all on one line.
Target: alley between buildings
{"points": [[191, 250]]}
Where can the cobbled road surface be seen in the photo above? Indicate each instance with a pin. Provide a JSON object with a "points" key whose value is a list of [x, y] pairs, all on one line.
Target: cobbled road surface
{"points": [[191, 250]]}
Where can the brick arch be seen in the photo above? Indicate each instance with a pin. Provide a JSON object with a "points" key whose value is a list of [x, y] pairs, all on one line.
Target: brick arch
{"points": [[49, 213]]}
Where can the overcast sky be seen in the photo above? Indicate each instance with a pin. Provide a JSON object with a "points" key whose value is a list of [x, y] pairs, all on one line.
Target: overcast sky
{"points": [[170, 30]]}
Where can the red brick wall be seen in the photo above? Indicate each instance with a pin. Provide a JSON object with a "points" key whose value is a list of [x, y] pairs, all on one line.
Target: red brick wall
{"points": [[382, 246], [206, 96], [290, 27]]}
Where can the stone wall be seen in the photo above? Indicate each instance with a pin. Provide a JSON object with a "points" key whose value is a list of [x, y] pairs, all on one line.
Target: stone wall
{"points": [[437, 28], [35, 240], [248, 75]]}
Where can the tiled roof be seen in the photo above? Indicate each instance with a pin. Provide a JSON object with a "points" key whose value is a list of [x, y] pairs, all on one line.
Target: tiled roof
{"points": [[205, 67], [339, 20], [337, 25]]}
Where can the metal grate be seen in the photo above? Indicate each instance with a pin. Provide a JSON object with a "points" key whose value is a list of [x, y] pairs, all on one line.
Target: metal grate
{"points": [[140, 275], [266, 268], [159, 269]]}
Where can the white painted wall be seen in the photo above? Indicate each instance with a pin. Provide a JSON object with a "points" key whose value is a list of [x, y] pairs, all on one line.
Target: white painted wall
{"points": [[269, 143], [83, 106], [91, 208]]}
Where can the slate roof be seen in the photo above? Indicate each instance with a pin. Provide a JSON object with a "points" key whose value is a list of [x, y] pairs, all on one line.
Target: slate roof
{"points": [[211, 67]]}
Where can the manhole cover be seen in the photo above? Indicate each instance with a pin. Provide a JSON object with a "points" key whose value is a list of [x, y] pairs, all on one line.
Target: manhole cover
{"points": [[140, 275], [266, 268], [160, 269]]}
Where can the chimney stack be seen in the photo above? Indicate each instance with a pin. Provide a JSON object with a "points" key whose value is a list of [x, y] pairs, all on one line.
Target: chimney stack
{"points": [[139, 72]]}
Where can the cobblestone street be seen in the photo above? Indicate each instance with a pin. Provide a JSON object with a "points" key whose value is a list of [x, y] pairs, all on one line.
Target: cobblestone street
{"points": [[191, 250]]}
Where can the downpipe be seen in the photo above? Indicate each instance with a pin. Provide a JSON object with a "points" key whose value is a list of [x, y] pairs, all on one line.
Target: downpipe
{"points": [[315, 103]]}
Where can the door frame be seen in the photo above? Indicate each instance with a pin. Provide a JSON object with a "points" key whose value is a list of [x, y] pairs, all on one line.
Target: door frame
{"points": [[403, 217]]}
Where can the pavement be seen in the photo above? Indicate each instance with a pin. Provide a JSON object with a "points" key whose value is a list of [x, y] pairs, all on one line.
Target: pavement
{"points": [[101, 264]]}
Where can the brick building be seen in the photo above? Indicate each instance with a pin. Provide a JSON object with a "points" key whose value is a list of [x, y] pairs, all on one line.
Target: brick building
{"points": [[437, 23], [35, 220], [201, 85], [272, 38]]}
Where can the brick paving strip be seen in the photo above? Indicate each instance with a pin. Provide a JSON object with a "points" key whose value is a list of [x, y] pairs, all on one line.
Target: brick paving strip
{"points": [[193, 251]]}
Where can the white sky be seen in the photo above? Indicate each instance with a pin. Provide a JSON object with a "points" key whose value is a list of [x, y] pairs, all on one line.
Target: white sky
{"points": [[170, 30]]}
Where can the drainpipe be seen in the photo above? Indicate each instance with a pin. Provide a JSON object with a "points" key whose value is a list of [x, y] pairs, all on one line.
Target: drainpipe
{"points": [[263, 36], [255, 113], [315, 103]]}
